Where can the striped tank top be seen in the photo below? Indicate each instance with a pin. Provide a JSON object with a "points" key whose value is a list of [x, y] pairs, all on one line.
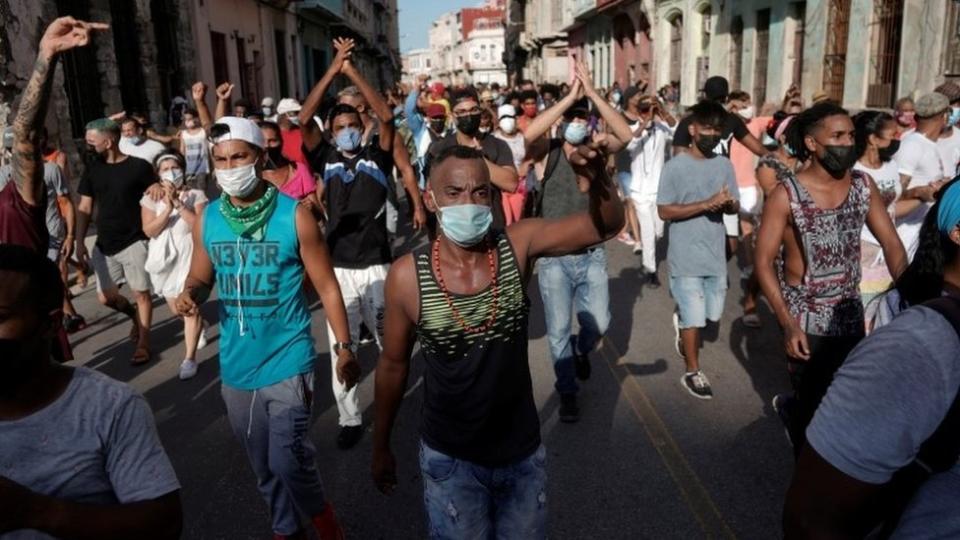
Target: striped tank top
{"points": [[478, 395]]}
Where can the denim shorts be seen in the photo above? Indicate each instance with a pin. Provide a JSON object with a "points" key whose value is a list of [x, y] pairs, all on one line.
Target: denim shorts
{"points": [[698, 298], [467, 500]]}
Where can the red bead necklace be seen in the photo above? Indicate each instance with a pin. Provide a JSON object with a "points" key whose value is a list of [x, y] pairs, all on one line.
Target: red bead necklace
{"points": [[495, 289]]}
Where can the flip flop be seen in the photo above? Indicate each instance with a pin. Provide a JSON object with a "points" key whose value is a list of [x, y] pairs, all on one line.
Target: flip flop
{"points": [[140, 356]]}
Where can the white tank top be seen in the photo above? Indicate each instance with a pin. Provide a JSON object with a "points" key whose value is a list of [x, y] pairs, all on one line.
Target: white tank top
{"points": [[197, 152]]}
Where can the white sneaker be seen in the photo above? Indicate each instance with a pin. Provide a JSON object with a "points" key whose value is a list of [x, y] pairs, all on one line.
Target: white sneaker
{"points": [[697, 384], [677, 343], [202, 342], [188, 369]]}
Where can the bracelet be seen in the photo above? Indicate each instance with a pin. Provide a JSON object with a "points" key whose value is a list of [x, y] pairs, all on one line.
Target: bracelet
{"points": [[343, 346]]}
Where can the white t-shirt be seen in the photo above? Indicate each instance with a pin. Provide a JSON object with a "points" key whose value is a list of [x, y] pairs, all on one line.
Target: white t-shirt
{"points": [[517, 146], [887, 179], [949, 148], [148, 150], [647, 155], [919, 158]]}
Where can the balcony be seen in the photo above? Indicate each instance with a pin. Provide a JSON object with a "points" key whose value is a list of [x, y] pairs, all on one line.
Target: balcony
{"points": [[324, 7]]}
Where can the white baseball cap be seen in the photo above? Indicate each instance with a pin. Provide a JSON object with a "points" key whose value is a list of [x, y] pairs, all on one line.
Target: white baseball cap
{"points": [[233, 128], [506, 110], [288, 105], [266, 102]]}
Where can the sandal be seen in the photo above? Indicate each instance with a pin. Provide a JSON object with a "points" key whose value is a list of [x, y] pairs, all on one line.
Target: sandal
{"points": [[140, 356]]}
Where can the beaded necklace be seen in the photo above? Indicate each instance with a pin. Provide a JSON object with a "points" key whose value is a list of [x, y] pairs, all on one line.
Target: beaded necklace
{"points": [[495, 289]]}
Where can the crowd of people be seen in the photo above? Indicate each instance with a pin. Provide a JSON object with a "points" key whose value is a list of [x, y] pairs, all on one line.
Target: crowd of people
{"points": [[847, 225]]}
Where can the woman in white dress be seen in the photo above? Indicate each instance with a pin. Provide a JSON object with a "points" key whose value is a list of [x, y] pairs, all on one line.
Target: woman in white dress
{"points": [[169, 224]]}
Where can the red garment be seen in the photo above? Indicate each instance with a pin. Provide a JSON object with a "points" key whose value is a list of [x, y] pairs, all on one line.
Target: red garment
{"points": [[21, 223], [293, 144]]}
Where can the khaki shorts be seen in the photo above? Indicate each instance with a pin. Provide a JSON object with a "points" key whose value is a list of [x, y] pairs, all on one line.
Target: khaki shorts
{"points": [[126, 266]]}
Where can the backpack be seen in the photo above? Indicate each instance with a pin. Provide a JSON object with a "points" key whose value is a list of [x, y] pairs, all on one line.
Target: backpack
{"points": [[533, 206], [939, 453]]}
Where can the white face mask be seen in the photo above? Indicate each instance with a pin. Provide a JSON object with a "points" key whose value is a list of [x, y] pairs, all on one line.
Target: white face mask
{"points": [[747, 113], [508, 125], [174, 176], [238, 181]]}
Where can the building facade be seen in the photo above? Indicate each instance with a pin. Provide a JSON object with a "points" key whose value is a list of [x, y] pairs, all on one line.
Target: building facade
{"points": [[417, 62], [467, 46]]}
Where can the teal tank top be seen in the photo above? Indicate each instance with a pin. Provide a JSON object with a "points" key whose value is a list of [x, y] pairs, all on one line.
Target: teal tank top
{"points": [[264, 320]]}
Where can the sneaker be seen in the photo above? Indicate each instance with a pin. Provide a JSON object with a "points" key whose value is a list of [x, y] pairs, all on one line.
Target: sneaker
{"points": [[569, 410], [637, 249], [581, 364], [677, 343], [349, 437], [202, 342], [697, 384], [188, 368], [366, 337], [74, 323], [782, 403], [653, 281]]}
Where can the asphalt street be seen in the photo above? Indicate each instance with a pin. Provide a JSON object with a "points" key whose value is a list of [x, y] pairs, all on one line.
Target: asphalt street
{"points": [[646, 460]]}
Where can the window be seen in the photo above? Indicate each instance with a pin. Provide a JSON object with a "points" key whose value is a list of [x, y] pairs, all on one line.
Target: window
{"points": [[761, 56], [126, 43], [280, 46], [81, 79], [800, 27], [835, 54], [676, 48], [218, 46], [951, 55], [736, 52], [885, 52]]}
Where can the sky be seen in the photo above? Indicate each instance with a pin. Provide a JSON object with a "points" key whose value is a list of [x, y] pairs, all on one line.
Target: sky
{"points": [[416, 16]]}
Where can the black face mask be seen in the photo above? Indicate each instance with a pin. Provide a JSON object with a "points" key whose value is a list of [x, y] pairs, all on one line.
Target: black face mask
{"points": [[707, 145], [91, 155], [469, 125], [438, 125], [276, 159], [838, 159], [886, 154]]}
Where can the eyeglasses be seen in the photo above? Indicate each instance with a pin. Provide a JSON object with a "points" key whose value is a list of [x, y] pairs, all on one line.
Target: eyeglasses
{"points": [[467, 112]]}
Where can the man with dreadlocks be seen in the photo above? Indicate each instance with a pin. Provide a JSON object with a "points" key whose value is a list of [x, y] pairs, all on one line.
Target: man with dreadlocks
{"points": [[816, 216]]}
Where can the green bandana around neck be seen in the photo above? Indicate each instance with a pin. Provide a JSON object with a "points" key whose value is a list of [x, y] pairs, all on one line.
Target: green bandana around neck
{"points": [[250, 221]]}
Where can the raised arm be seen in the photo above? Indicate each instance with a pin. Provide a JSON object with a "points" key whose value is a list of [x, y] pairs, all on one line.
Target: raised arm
{"points": [[63, 34], [603, 219], [542, 123], [308, 129], [223, 99], [393, 367], [614, 120], [199, 92], [377, 103], [414, 119]]}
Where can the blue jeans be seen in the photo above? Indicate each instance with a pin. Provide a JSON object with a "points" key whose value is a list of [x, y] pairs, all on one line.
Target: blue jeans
{"points": [[568, 284], [272, 424], [699, 299], [472, 502]]}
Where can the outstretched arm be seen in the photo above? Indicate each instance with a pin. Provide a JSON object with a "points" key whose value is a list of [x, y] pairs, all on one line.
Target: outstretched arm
{"points": [[377, 103], [63, 34], [308, 129], [604, 218], [542, 123]]}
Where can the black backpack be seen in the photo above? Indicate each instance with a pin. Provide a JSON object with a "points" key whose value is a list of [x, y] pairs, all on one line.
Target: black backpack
{"points": [[939, 453]]}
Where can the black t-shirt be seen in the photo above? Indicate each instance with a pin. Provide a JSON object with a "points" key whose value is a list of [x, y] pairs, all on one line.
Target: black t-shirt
{"points": [[117, 188], [496, 150], [355, 190], [733, 127]]}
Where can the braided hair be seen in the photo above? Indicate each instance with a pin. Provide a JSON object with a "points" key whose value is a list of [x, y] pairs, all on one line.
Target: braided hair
{"points": [[806, 122]]}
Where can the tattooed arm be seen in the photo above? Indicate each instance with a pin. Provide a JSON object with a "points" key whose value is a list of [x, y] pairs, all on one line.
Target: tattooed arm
{"points": [[63, 34]]}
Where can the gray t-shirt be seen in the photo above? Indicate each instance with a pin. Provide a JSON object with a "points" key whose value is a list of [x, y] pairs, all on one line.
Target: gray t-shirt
{"points": [[96, 444], [55, 186], [697, 246], [889, 396]]}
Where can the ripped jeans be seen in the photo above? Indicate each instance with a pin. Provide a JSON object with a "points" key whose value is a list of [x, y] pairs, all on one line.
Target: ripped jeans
{"points": [[469, 501]]}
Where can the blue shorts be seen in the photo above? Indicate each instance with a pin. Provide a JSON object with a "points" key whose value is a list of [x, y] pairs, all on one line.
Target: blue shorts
{"points": [[699, 299]]}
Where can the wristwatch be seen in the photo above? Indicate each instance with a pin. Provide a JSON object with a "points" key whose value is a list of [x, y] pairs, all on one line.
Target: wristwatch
{"points": [[342, 346]]}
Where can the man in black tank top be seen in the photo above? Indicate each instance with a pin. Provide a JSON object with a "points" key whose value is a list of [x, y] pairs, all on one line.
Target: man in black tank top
{"points": [[577, 282], [464, 299]]}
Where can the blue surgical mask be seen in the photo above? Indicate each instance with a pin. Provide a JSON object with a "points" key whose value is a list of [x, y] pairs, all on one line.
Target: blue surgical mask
{"points": [[575, 133], [954, 116], [348, 139], [465, 224]]}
